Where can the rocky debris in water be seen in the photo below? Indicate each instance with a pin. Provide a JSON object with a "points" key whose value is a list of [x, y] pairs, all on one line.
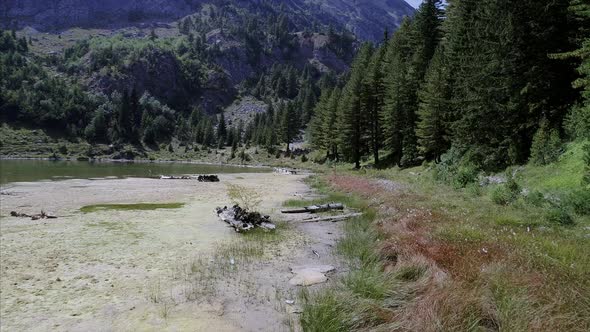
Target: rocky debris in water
{"points": [[243, 220], [42, 215], [309, 275], [208, 178]]}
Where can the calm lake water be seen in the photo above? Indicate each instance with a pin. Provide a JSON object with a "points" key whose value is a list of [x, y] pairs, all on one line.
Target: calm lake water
{"points": [[37, 170]]}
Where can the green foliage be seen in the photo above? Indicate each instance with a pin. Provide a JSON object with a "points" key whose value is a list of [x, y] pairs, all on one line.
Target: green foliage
{"points": [[455, 169], [560, 216], [248, 199], [586, 176], [546, 147], [579, 201], [535, 198], [506, 193], [577, 122]]}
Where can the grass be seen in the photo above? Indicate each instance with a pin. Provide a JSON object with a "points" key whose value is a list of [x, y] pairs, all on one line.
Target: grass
{"points": [[430, 257], [130, 207]]}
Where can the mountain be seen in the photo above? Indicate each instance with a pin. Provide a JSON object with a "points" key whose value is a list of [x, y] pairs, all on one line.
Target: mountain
{"points": [[365, 18]]}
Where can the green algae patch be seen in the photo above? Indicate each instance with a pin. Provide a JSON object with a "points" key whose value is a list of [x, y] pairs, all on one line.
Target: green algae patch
{"points": [[130, 207]]}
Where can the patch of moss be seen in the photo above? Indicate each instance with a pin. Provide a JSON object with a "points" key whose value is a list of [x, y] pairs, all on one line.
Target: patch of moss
{"points": [[126, 207]]}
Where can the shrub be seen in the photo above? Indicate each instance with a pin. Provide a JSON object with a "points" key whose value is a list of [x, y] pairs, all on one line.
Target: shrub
{"points": [[466, 174], [506, 193], [577, 122], [304, 159], [501, 196], [535, 198], [579, 201], [559, 215], [318, 156], [248, 199], [455, 170], [63, 149], [546, 146]]}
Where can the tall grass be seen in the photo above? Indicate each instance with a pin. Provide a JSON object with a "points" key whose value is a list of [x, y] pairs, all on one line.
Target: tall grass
{"points": [[434, 258]]}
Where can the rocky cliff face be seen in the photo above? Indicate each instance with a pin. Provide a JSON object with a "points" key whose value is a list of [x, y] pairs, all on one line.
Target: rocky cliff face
{"points": [[57, 14], [365, 18]]}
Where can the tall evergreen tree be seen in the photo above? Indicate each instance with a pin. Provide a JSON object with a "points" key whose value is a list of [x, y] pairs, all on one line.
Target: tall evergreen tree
{"points": [[433, 127], [398, 128], [353, 122], [373, 100], [289, 123], [125, 119], [221, 129]]}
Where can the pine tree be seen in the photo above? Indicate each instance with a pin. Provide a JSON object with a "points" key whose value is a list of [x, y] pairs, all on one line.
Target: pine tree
{"points": [[330, 124], [353, 122], [289, 123], [373, 100], [397, 127], [433, 128], [317, 124], [125, 120], [221, 130]]}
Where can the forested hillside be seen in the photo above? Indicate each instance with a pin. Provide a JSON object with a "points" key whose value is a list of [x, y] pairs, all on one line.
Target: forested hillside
{"points": [[148, 87], [479, 84]]}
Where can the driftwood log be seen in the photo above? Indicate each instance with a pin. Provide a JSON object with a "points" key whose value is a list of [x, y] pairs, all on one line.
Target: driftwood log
{"points": [[285, 171], [316, 208], [242, 220], [42, 215], [333, 218]]}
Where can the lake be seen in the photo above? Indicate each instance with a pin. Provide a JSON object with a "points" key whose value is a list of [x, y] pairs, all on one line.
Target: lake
{"points": [[38, 170]]}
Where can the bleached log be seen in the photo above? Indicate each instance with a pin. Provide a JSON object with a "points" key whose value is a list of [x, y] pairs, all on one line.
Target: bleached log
{"points": [[316, 208], [242, 220], [333, 218]]}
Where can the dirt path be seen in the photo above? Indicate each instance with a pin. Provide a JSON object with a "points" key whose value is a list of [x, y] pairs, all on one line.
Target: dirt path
{"points": [[149, 270]]}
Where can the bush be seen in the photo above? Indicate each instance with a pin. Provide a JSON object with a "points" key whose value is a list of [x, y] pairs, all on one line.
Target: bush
{"points": [[535, 198], [506, 193], [246, 198], [577, 122], [318, 156], [559, 215], [501, 196], [304, 159], [579, 201], [455, 170], [546, 147]]}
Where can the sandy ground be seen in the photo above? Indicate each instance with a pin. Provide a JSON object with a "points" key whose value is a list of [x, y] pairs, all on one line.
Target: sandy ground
{"points": [[126, 270]]}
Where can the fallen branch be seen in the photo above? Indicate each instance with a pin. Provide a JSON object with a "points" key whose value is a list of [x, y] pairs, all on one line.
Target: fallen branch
{"points": [[42, 215], [243, 220], [316, 208], [333, 218]]}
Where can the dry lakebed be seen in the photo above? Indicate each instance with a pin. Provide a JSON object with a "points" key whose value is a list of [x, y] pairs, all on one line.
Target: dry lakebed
{"points": [[162, 262]]}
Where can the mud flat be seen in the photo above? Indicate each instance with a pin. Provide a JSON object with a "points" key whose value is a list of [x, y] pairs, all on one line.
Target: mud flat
{"points": [[177, 268]]}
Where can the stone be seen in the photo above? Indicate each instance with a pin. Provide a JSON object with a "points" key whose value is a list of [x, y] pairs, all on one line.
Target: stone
{"points": [[309, 275]]}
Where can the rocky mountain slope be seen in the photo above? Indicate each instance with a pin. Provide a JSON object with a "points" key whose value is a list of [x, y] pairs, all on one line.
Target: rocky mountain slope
{"points": [[365, 18]]}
